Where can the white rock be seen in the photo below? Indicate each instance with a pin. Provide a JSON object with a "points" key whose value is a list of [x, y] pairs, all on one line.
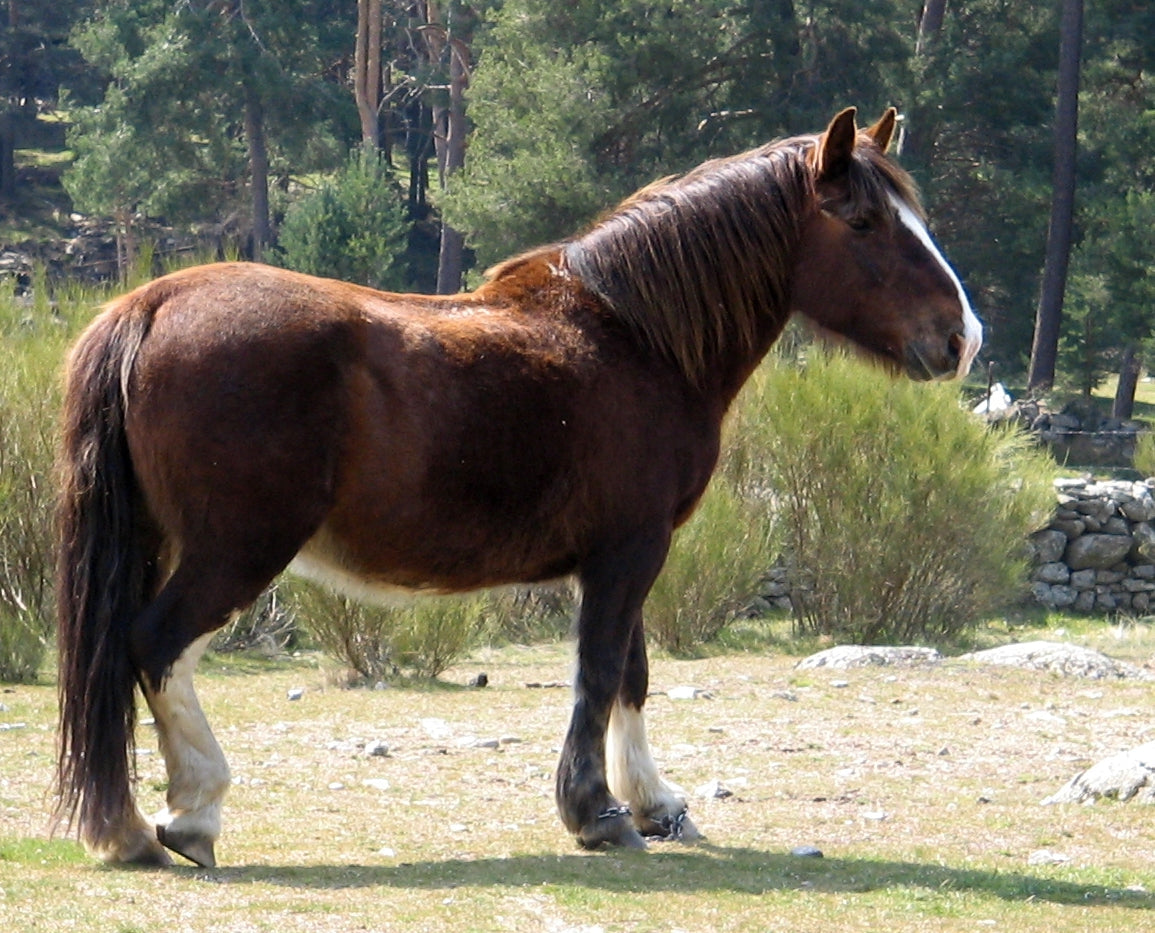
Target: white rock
{"points": [[687, 693]]}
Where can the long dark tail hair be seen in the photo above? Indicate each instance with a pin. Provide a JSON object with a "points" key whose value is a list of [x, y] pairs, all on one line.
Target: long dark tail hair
{"points": [[105, 577]]}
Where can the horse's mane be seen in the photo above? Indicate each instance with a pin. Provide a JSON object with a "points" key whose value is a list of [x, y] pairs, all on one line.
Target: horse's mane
{"points": [[691, 263]]}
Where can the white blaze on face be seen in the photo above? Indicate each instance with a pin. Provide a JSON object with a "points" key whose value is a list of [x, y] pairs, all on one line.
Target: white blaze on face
{"points": [[972, 339]]}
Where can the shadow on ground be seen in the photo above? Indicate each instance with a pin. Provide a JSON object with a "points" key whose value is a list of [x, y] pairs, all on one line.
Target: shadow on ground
{"points": [[702, 868]]}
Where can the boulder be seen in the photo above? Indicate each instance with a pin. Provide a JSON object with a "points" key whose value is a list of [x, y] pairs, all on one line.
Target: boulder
{"points": [[1129, 775], [1097, 551], [848, 656], [1059, 658]]}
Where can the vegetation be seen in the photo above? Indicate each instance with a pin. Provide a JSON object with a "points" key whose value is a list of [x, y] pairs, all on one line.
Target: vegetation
{"points": [[902, 517], [210, 115], [712, 572], [352, 227], [921, 786], [422, 635]]}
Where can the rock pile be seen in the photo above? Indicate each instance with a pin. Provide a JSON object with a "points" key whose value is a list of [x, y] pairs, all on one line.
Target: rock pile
{"points": [[1098, 552]]}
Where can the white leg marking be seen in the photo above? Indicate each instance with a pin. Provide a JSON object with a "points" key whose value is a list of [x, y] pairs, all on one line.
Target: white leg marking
{"points": [[972, 329], [198, 774], [630, 769]]}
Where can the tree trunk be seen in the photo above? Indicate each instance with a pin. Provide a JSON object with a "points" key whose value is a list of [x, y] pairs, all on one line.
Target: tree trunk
{"points": [[1044, 349], [1129, 369], [916, 136], [8, 123], [929, 24], [450, 264], [367, 72], [259, 169]]}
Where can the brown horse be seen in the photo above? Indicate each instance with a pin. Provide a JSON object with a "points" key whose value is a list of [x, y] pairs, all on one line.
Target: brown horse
{"points": [[225, 421]]}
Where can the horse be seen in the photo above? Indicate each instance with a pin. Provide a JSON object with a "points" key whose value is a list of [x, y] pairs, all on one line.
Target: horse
{"points": [[227, 421]]}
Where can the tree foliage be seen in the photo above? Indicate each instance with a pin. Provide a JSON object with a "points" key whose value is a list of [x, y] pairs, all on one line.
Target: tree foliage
{"points": [[353, 227], [210, 107]]}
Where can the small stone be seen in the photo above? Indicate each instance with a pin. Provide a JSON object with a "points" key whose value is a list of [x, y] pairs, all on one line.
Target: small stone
{"points": [[875, 816], [336, 785], [481, 680], [687, 693], [712, 790], [377, 749], [295, 693], [458, 827], [375, 783], [386, 852], [1047, 857], [806, 852]]}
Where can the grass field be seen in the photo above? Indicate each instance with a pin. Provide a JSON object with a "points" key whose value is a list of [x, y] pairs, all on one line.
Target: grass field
{"points": [[920, 786]]}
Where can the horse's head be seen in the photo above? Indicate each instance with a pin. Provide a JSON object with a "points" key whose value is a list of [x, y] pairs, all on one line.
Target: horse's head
{"points": [[868, 269]]}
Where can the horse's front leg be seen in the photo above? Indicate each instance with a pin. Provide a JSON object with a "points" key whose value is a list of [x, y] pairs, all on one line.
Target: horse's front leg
{"points": [[659, 808], [614, 587]]}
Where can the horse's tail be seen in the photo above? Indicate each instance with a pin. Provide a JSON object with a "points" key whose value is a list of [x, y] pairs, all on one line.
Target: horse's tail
{"points": [[106, 569]]}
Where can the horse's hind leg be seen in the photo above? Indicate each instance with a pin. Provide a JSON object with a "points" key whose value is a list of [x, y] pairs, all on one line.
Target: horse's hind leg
{"points": [[658, 807], [169, 639], [198, 774]]}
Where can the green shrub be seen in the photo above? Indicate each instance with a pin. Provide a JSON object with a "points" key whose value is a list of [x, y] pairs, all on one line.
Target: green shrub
{"points": [[424, 636], [353, 227], [902, 517], [1144, 460], [267, 627], [715, 563], [29, 404]]}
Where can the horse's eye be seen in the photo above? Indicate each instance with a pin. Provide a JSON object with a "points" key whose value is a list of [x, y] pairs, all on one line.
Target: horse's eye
{"points": [[859, 224]]}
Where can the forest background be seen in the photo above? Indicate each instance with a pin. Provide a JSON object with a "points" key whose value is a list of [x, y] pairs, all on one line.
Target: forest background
{"points": [[411, 144]]}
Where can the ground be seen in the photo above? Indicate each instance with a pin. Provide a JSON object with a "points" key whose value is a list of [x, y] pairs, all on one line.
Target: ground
{"points": [[921, 786]]}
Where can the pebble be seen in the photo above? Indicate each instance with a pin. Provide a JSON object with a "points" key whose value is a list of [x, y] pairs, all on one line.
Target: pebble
{"points": [[376, 783], [295, 693], [377, 749], [688, 693], [712, 790], [806, 852], [1047, 857]]}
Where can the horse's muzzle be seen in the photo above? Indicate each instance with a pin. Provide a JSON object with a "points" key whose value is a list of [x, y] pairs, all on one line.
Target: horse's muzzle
{"points": [[939, 359]]}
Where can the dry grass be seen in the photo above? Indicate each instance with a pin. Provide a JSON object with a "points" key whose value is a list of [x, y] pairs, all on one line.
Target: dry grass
{"points": [[465, 838]]}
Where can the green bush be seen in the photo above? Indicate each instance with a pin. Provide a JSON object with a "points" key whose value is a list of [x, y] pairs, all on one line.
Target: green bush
{"points": [[353, 227], [424, 636], [29, 407], [715, 563], [902, 517], [1144, 459]]}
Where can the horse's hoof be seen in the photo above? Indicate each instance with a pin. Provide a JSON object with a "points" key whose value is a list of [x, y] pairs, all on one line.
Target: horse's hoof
{"points": [[613, 828], [661, 824], [676, 828], [193, 846], [139, 849]]}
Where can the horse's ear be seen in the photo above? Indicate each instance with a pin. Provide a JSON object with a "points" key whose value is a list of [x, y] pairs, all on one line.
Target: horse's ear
{"points": [[883, 131], [836, 146]]}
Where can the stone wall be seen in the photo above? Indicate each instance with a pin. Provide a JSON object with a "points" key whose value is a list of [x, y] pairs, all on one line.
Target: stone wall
{"points": [[1098, 552]]}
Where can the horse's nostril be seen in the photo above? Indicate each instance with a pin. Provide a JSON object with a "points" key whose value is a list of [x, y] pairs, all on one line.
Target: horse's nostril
{"points": [[954, 345]]}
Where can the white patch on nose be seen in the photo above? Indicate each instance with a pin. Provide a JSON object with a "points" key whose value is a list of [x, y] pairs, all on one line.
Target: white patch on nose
{"points": [[972, 339]]}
